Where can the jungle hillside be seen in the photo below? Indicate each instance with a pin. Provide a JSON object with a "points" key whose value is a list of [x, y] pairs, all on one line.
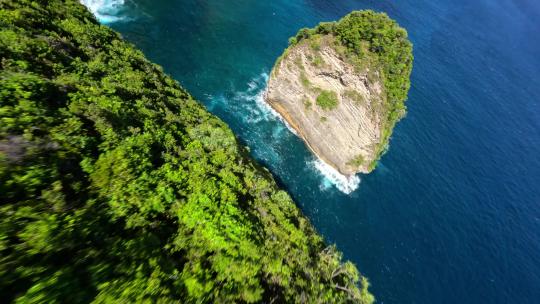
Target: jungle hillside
{"points": [[117, 186]]}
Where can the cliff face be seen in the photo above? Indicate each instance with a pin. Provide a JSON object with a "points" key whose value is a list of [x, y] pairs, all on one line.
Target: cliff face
{"points": [[336, 107], [342, 85]]}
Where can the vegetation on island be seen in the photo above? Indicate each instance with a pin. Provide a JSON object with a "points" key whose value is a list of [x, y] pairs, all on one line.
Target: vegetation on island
{"points": [[118, 187], [355, 96], [373, 41], [327, 100]]}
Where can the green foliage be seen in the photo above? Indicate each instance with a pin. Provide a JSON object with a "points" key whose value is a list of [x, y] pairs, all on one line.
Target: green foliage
{"points": [[357, 161], [318, 61], [354, 96], [315, 42], [304, 80], [381, 35], [298, 62], [116, 186], [388, 41], [307, 103], [327, 100]]}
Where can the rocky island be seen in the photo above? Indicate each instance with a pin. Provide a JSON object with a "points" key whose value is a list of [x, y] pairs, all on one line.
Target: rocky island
{"points": [[342, 86]]}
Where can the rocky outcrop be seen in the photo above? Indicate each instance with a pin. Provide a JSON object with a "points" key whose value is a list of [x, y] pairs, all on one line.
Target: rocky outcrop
{"points": [[335, 106]]}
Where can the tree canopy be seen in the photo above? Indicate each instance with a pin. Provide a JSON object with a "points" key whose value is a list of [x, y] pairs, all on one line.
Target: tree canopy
{"points": [[117, 186]]}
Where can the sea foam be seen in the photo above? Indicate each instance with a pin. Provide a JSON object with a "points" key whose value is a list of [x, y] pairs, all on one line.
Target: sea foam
{"points": [[106, 11], [346, 184], [269, 111], [255, 92]]}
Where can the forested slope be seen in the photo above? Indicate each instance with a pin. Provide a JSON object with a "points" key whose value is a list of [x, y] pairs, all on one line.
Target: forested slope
{"points": [[116, 186]]}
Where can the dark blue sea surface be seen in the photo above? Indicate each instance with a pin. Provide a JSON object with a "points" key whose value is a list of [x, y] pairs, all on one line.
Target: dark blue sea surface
{"points": [[452, 212]]}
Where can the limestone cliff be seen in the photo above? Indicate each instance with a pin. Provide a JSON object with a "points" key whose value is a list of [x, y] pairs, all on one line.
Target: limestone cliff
{"points": [[337, 103], [345, 135]]}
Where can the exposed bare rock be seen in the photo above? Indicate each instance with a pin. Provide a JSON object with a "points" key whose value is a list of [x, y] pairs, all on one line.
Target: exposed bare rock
{"points": [[347, 134]]}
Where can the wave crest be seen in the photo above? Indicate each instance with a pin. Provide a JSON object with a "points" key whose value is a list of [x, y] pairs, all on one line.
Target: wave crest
{"points": [[106, 11], [256, 111], [345, 184]]}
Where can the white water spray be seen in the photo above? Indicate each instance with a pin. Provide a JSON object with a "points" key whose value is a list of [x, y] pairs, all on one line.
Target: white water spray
{"points": [[346, 184], [106, 11]]}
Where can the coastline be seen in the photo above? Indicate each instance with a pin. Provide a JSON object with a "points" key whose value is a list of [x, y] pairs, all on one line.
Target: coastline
{"points": [[343, 182], [287, 118]]}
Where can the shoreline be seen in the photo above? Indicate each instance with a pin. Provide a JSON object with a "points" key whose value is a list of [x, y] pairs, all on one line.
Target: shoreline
{"points": [[287, 118]]}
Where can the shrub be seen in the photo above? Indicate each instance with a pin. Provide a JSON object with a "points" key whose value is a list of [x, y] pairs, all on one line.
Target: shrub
{"points": [[354, 96], [327, 100], [304, 80]]}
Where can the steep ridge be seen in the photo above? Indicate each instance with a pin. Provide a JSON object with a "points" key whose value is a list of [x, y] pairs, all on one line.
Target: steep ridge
{"points": [[117, 186]]}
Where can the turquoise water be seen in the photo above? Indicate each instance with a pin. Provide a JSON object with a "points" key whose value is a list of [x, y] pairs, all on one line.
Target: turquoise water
{"points": [[452, 214]]}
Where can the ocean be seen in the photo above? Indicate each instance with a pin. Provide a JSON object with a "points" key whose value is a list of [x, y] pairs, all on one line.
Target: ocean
{"points": [[452, 212]]}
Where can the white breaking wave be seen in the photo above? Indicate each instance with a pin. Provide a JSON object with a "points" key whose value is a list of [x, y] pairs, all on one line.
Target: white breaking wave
{"points": [[255, 92], [106, 11], [345, 184], [266, 108]]}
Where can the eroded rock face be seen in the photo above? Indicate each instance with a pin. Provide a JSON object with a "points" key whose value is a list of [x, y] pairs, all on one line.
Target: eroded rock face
{"points": [[343, 127]]}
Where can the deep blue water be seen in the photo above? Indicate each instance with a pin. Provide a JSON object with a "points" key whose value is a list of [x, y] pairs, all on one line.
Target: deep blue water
{"points": [[452, 213]]}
